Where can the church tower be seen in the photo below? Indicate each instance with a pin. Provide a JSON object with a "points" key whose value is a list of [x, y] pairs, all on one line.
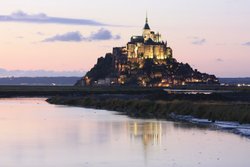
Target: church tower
{"points": [[146, 30]]}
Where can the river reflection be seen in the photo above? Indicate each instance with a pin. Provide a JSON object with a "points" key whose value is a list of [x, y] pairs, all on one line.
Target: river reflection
{"points": [[149, 133], [34, 133]]}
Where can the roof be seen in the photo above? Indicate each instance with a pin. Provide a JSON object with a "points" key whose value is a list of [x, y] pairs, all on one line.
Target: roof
{"points": [[146, 27], [137, 39], [151, 42]]}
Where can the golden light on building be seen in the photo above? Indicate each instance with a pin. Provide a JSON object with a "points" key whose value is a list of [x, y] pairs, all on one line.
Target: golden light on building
{"points": [[148, 46]]}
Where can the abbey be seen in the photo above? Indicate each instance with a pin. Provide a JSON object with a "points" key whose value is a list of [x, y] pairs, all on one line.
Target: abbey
{"points": [[148, 45], [145, 61]]}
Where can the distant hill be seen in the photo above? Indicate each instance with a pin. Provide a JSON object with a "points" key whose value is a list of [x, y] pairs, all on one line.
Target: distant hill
{"points": [[235, 81], [39, 73], [39, 80]]}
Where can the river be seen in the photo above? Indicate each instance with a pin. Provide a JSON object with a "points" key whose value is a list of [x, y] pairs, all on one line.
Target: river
{"points": [[34, 133]]}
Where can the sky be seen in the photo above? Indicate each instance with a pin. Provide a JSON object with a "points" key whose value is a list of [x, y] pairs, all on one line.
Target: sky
{"points": [[60, 35]]}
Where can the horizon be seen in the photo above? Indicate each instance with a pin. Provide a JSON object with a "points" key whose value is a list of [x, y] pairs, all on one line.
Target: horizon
{"points": [[212, 36]]}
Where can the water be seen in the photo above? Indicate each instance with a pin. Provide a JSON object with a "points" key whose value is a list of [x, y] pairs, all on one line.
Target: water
{"points": [[36, 134]]}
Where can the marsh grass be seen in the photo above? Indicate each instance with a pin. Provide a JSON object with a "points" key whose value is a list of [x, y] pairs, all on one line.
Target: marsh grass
{"points": [[214, 111]]}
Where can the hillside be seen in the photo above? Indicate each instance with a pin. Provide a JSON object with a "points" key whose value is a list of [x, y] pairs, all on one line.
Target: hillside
{"points": [[149, 73]]}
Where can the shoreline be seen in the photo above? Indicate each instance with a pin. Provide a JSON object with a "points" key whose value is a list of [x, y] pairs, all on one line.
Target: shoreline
{"points": [[142, 107], [201, 105], [171, 111], [227, 126], [231, 127]]}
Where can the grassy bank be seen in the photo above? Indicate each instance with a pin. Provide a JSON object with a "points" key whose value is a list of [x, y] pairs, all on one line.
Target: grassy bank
{"points": [[162, 109]]}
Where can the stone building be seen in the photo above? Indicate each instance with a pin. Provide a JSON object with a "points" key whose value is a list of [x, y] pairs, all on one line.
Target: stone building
{"points": [[148, 46]]}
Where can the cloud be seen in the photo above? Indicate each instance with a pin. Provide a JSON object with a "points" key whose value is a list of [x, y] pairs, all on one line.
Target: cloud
{"points": [[103, 34], [246, 44], [42, 18], [68, 37], [219, 60], [100, 35], [198, 41]]}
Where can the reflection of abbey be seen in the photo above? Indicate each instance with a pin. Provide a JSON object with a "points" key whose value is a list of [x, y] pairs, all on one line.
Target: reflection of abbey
{"points": [[146, 60]]}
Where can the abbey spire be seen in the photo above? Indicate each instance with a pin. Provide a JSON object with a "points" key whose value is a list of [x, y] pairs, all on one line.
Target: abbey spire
{"points": [[146, 26], [146, 30]]}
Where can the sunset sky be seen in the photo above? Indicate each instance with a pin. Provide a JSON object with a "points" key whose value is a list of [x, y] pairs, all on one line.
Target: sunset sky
{"points": [[61, 35]]}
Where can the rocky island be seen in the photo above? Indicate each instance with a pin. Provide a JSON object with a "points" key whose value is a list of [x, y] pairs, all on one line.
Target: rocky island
{"points": [[146, 61]]}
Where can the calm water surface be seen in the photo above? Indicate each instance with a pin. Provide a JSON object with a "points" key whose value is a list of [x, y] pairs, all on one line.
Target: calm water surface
{"points": [[34, 133]]}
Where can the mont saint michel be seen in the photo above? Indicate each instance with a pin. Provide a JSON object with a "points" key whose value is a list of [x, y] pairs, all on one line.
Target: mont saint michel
{"points": [[100, 84], [147, 61]]}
